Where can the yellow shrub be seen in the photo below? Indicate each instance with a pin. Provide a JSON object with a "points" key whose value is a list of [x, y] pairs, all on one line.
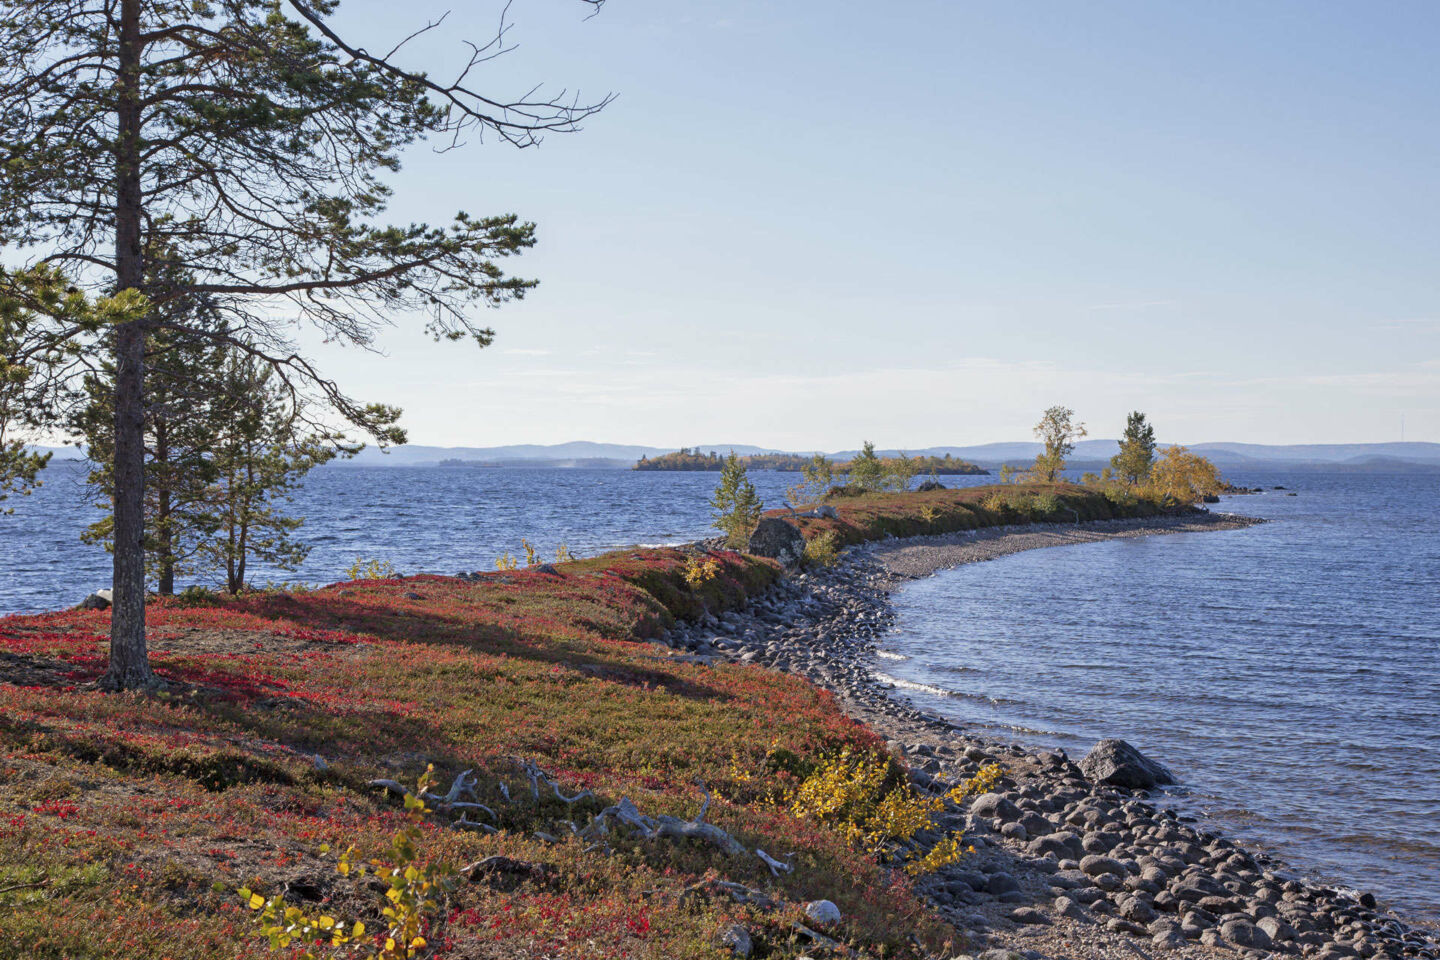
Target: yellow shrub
{"points": [[363, 569], [700, 570], [414, 891], [857, 794], [824, 549]]}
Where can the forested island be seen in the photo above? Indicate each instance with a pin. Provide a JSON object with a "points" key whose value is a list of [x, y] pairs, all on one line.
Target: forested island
{"points": [[687, 459]]}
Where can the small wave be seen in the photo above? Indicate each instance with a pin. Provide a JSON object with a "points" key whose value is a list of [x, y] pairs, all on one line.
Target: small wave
{"points": [[888, 655], [912, 685]]}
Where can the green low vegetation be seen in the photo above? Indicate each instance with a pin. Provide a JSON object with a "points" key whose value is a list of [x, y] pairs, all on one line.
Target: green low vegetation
{"points": [[864, 516], [686, 459]]}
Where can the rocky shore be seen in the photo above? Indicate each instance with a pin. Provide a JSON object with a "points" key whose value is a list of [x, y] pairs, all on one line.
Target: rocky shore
{"points": [[1068, 862]]}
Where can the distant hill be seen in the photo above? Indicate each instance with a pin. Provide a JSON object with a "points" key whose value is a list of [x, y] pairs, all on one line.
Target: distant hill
{"points": [[415, 455], [1370, 456], [1350, 456]]}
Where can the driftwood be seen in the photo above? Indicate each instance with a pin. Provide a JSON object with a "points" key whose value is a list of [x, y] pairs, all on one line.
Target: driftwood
{"points": [[505, 873], [620, 816], [738, 892]]}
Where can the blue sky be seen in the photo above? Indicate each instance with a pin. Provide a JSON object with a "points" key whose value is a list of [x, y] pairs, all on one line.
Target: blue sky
{"points": [[802, 224]]}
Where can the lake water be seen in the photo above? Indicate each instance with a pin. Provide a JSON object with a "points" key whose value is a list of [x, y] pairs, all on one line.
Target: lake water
{"points": [[423, 520], [1288, 673]]}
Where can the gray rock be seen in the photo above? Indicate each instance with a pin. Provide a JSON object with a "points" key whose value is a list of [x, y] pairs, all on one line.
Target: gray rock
{"points": [[1245, 934], [99, 600], [822, 912], [1169, 939], [1276, 929], [1001, 883], [1137, 910], [737, 939], [927, 485], [779, 540], [1014, 831], [1095, 866], [1028, 915], [994, 806], [1061, 844], [1117, 763]]}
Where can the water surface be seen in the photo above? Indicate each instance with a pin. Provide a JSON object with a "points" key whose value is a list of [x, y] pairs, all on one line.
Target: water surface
{"points": [[1289, 673]]}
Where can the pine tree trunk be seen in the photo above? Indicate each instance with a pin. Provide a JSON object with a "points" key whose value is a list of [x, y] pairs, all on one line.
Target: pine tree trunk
{"points": [[129, 660]]}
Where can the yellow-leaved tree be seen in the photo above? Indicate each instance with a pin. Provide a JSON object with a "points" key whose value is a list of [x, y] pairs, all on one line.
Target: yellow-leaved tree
{"points": [[1183, 476]]}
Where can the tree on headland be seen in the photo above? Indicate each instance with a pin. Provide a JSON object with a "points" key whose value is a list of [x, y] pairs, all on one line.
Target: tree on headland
{"points": [[902, 470], [1058, 432], [1183, 476], [818, 475], [245, 143], [736, 504], [867, 471], [1137, 450]]}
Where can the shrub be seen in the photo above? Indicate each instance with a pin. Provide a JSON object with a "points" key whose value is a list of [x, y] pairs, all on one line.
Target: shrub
{"points": [[823, 549], [700, 570], [363, 569], [506, 562], [1045, 504], [414, 890], [868, 798]]}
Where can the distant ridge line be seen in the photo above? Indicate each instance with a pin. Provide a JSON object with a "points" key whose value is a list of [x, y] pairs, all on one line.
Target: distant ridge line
{"points": [[1355, 455]]}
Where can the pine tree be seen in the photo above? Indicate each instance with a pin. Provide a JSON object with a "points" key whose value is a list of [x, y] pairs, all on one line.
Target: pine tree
{"points": [[1137, 451], [247, 141], [260, 456], [183, 410], [19, 467], [736, 504]]}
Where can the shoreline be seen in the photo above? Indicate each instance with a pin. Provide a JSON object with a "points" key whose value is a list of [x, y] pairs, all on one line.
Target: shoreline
{"points": [[1061, 863]]}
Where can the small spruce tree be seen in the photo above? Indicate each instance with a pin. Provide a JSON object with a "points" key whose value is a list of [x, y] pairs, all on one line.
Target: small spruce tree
{"points": [[736, 504], [1137, 451], [259, 458]]}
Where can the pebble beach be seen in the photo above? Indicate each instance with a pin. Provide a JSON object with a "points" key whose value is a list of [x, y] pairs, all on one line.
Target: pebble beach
{"points": [[1067, 862]]}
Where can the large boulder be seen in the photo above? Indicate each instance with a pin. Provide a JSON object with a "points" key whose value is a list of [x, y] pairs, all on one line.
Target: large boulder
{"points": [[99, 600], [1117, 763], [779, 540], [927, 485]]}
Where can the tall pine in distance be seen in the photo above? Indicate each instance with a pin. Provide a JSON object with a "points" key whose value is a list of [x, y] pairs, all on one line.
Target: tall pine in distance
{"points": [[244, 143]]}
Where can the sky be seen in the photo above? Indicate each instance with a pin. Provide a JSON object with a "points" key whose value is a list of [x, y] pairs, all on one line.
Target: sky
{"points": [[804, 224]]}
